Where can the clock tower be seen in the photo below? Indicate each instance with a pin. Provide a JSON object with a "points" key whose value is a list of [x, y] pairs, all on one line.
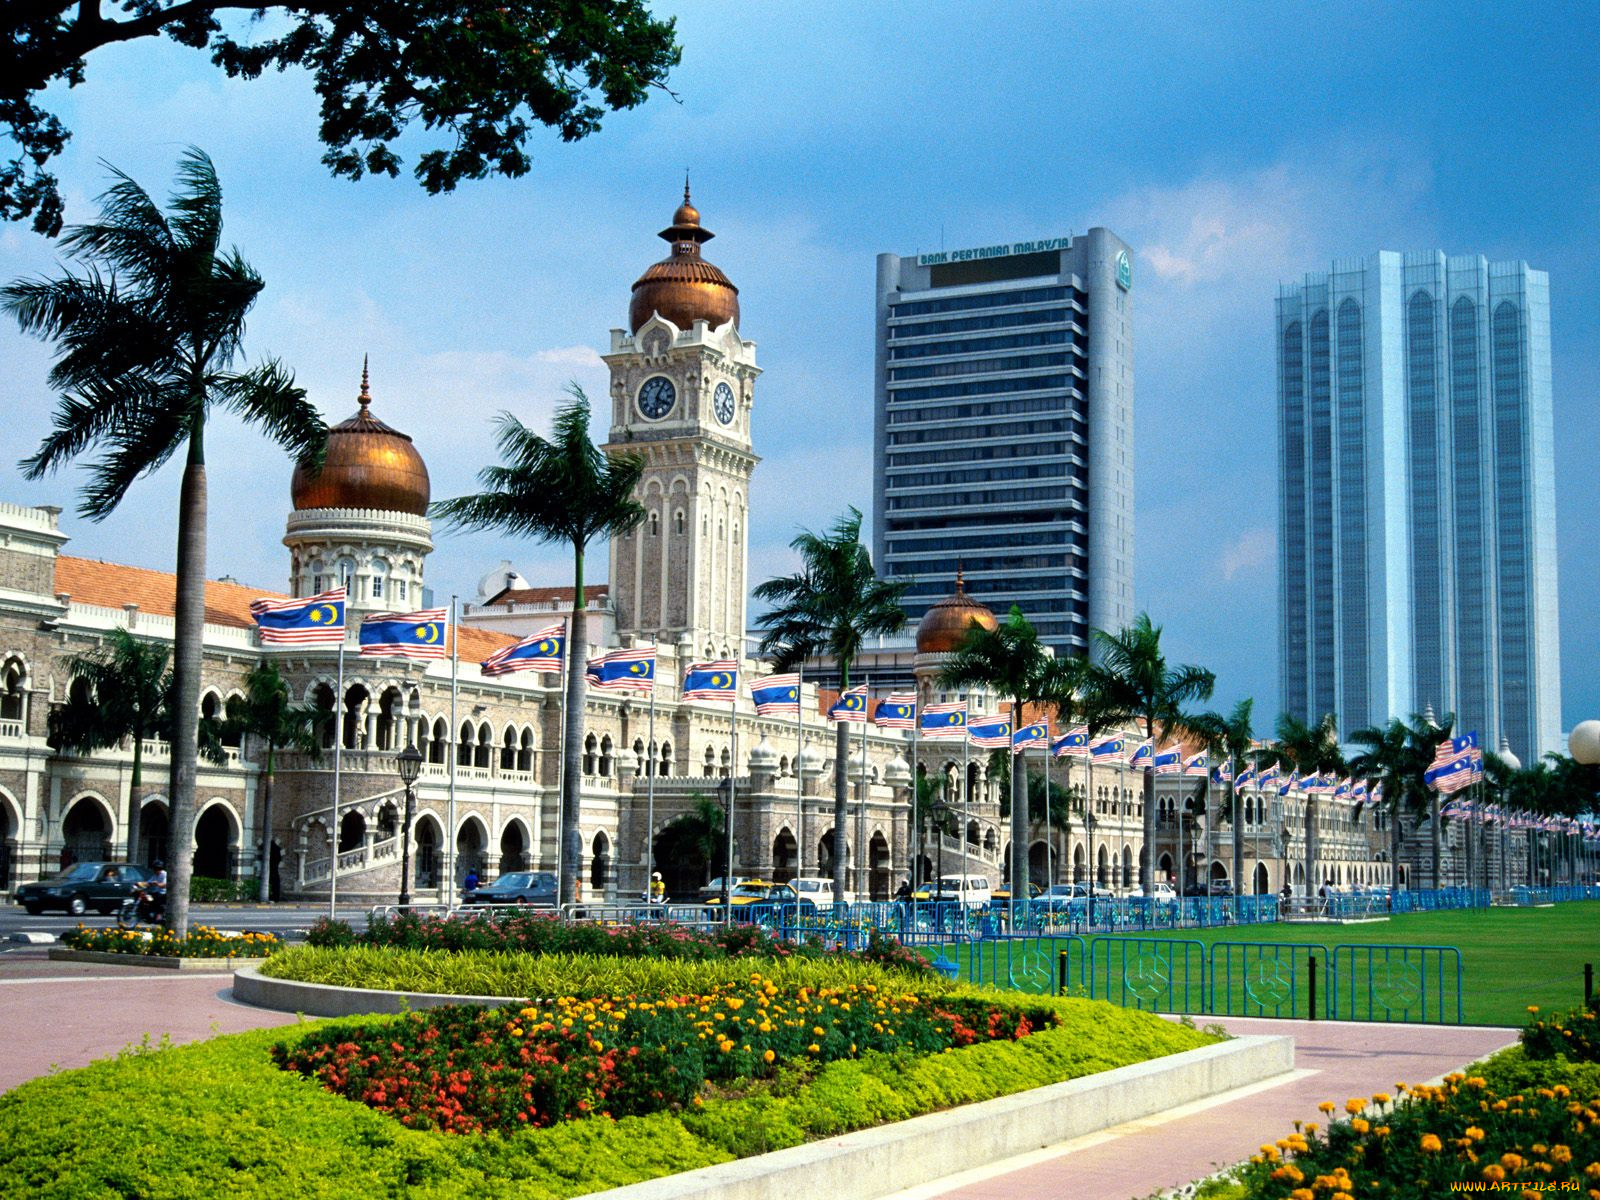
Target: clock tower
{"points": [[682, 386]]}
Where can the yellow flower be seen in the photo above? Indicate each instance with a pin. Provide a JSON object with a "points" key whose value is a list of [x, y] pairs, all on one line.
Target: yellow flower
{"points": [[768, 1056], [1289, 1172], [1511, 1162], [1326, 1106], [1493, 1173], [1380, 1097], [1360, 1125], [1474, 1133], [1354, 1105], [1431, 1143], [814, 1048]]}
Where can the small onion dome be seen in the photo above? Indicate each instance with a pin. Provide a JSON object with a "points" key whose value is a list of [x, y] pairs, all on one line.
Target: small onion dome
{"points": [[368, 465], [811, 761], [1584, 743], [764, 758], [897, 773], [856, 767], [627, 763], [1511, 761], [947, 622], [683, 287]]}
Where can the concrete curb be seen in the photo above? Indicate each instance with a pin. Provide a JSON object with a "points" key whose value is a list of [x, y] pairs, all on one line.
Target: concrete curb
{"points": [[326, 1000], [108, 959], [891, 1158]]}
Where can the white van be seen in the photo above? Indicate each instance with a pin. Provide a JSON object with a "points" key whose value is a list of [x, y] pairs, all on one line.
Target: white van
{"points": [[973, 889], [818, 893]]}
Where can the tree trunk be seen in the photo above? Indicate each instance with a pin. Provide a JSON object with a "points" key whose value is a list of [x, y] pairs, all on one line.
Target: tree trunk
{"points": [[135, 800], [1311, 845], [264, 889], [1147, 855], [187, 659], [841, 793], [1019, 816], [572, 738], [1435, 831], [1238, 842], [1394, 846]]}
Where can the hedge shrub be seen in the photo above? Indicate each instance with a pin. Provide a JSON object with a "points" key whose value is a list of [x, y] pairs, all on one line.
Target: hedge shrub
{"points": [[204, 889], [219, 1119]]}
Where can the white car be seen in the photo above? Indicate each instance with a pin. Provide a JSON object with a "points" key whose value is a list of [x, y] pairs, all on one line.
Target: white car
{"points": [[818, 893], [1159, 891]]}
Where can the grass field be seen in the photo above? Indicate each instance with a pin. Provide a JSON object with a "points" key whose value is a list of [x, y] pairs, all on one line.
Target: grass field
{"points": [[1510, 957]]}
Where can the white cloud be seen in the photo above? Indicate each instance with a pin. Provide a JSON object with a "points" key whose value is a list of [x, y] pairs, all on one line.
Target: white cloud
{"points": [[1254, 552]]}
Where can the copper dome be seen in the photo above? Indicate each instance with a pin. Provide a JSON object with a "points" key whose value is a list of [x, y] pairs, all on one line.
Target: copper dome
{"points": [[947, 622], [683, 287], [368, 465]]}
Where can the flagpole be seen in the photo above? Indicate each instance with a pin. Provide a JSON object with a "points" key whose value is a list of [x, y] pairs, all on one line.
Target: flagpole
{"points": [[338, 760], [651, 763], [455, 751], [571, 621], [733, 768], [799, 775], [863, 881], [966, 788], [918, 844], [1049, 847], [1088, 831]]}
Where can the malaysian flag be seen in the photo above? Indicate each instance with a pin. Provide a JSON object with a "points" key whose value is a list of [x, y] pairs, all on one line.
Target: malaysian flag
{"points": [[1111, 751], [1169, 760], [1074, 743], [1198, 765], [990, 733], [1342, 788], [1031, 737], [1143, 755], [1266, 777], [1246, 776], [777, 694], [540, 651], [944, 720], [715, 680], [632, 669], [851, 706], [899, 711], [316, 621], [1223, 772], [420, 634], [1289, 784]]}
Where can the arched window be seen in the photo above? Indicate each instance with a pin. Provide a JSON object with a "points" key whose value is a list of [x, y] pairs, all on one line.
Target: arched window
{"points": [[655, 524], [319, 576], [666, 759], [13, 697], [525, 751], [640, 761], [439, 742], [347, 574], [726, 763], [380, 573], [322, 701], [356, 699], [464, 746], [508, 751], [711, 762], [605, 756], [389, 716], [678, 523], [591, 746], [485, 746]]}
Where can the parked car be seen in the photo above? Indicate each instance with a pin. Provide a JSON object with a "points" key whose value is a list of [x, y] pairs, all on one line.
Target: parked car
{"points": [[517, 887], [1003, 896], [751, 891], [1158, 891], [974, 890], [813, 893], [102, 886], [714, 888], [1219, 888]]}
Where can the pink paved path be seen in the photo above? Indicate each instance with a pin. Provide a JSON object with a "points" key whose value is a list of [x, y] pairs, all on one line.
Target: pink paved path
{"points": [[1334, 1060], [69, 1015]]}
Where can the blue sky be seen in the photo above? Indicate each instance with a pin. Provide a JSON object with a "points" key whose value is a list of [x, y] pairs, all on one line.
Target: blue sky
{"points": [[1233, 146]]}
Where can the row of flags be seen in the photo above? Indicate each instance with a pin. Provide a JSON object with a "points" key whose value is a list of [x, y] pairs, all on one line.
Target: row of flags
{"points": [[320, 621]]}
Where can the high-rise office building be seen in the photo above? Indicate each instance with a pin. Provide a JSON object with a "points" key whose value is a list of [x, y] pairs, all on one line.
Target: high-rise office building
{"points": [[1003, 430], [1417, 561]]}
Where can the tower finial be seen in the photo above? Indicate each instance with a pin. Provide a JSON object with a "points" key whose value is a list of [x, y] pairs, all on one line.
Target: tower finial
{"points": [[961, 579], [686, 185], [366, 395]]}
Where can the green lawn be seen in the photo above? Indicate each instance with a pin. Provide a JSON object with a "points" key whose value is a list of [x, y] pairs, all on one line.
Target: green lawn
{"points": [[1510, 957]]}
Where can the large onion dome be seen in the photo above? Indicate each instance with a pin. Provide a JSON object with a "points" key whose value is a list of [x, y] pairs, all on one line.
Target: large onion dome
{"points": [[683, 287], [368, 465], [947, 622]]}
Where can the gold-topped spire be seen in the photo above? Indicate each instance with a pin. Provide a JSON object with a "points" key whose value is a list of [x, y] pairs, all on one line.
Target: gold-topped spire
{"points": [[684, 287], [365, 398]]}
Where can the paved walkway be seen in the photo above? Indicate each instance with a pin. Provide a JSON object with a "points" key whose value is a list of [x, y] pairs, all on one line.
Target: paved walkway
{"points": [[67, 1015], [70, 1014], [1334, 1060]]}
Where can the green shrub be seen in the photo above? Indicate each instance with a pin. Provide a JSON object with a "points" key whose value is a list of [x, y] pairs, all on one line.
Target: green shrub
{"points": [[204, 889], [522, 975], [1572, 1035], [217, 1118]]}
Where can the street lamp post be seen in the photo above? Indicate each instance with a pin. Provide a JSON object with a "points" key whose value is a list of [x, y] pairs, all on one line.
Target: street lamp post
{"points": [[409, 765], [1585, 743]]}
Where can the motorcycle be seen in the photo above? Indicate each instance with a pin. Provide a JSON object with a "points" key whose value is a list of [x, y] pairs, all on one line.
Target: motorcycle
{"points": [[146, 906]]}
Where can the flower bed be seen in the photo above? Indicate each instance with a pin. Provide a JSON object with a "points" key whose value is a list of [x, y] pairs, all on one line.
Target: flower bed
{"points": [[542, 933], [471, 1070], [1433, 1140], [203, 942], [1574, 1036]]}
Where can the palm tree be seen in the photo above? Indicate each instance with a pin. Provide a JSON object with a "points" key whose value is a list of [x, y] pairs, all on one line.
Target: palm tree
{"points": [[565, 490], [831, 607], [145, 340], [1310, 750], [1397, 755], [1129, 680], [1010, 660], [1231, 737], [126, 697], [265, 713]]}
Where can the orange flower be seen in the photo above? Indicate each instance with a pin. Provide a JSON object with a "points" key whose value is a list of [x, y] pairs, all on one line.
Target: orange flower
{"points": [[1431, 1143], [1326, 1106], [1493, 1173], [1354, 1105], [1360, 1125]]}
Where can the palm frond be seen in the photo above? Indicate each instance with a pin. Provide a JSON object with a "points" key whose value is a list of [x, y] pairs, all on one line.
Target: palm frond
{"points": [[268, 396]]}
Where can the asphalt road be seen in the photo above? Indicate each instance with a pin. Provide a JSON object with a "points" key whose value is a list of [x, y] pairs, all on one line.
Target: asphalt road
{"points": [[287, 921]]}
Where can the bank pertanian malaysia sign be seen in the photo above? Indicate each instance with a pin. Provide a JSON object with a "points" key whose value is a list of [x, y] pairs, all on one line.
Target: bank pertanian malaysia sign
{"points": [[1002, 251]]}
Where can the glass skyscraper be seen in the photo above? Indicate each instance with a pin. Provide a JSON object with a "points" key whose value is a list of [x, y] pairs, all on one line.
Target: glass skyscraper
{"points": [[1416, 549], [1003, 435]]}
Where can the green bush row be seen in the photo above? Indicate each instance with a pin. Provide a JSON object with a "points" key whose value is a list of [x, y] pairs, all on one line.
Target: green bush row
{"points": [[217, 1118], [203, 889], [519, 974]]}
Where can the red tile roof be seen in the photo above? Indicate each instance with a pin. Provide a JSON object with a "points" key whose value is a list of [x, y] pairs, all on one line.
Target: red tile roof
{"points": [[112, 585], [544, 595]]}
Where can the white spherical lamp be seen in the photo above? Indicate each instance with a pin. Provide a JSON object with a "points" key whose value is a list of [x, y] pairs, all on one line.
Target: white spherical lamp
{"points": [[1584, 743]]}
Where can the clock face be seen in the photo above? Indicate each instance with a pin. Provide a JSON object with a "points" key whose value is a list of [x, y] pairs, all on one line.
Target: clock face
{"points": [[722, 403], [657, 397]]}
